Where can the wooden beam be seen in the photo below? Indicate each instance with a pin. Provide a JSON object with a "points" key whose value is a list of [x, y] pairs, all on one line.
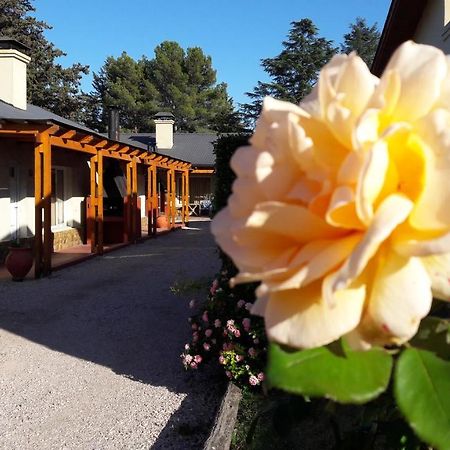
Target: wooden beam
{"points": [[38, 149], [68, 134], [72, 145], [87, 139], [203, 171], [101, 144]]}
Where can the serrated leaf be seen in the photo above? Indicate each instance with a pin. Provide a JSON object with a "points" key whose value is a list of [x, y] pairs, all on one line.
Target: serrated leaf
{"points": [[354, 377], [422, 391]]}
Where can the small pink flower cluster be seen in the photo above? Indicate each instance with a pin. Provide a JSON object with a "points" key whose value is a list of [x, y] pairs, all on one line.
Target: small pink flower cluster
{"points": [[191, 361], [256, 380], [231, 327]]}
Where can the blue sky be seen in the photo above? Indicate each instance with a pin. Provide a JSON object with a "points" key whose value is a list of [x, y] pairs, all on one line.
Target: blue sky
{"points": [[235, 33]]}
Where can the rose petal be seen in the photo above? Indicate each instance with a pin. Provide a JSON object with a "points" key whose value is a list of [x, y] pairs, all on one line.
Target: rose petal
{"points": [[438, 268], [392, 211], [400, 297], [431, 211], [342, 210], [421, 70], [300, 318], [371, 180]]}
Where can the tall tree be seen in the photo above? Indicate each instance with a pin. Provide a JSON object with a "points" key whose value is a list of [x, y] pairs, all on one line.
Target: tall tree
{"points": [[50, 85], [120, 83], [362, 39], [187, 86], [178, 81], [294, 71]]}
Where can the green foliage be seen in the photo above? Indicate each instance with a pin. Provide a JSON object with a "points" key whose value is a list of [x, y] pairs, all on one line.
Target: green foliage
{"points": [[294, 71], [50, 85], [224, 149], [181, 82], [422, 391], [362, 39], [337, 373], [121, 84], [225, 331]]}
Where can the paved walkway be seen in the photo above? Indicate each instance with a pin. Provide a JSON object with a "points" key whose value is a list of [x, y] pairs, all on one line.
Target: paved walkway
{"points": [[89, 357]]}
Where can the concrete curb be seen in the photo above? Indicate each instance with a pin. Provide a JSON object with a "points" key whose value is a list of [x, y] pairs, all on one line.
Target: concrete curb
{"points": [[222, 430]]}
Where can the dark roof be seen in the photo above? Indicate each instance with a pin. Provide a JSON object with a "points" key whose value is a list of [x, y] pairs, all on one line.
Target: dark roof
{"points": [[400, 26], [197, 148], [163, 114], [40, 115], [12, 44]]}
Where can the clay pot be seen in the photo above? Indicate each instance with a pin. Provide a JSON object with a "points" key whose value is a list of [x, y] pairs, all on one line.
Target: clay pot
{"points": [[19, 262], [162, 221]]}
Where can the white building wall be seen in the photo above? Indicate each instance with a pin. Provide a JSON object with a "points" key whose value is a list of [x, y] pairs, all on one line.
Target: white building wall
{"points": [[433, 27]]}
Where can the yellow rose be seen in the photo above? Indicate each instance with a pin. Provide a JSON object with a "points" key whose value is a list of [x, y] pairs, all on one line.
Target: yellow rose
{"points": [[341, 206]]}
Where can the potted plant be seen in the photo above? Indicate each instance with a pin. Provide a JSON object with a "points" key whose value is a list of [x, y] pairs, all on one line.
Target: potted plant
{"points": [[19, 260]]}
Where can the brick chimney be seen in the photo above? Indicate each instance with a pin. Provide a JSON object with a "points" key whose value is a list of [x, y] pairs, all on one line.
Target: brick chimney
{"points": [[13, 72], [164, 122]]}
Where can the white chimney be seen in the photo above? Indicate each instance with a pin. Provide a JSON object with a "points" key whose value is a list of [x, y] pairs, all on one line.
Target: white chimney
{"points": [[164, 122], [13, 72]]}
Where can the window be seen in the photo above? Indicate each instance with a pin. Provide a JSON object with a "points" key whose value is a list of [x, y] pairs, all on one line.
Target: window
{"points": [[57, 209]]}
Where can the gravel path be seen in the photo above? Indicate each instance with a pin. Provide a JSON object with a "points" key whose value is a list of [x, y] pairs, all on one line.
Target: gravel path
{"points": [[89, 357]]}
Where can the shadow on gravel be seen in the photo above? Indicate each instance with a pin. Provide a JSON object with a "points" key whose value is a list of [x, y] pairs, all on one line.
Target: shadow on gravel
{"points": [[118, 312]]}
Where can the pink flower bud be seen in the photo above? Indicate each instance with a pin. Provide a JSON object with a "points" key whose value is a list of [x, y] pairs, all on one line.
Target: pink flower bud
{"points": [[208, 332], [239, 358], [214, 286], [246, 324], [261, 376], [194, 365], [217, 323], [252, 352], [194, 326], [187, 346], [237, 333], [253, 380], [206, 346], [221, 359], [228, 374], [192, 304], [240, 303], [198, 359], [205, 316]]}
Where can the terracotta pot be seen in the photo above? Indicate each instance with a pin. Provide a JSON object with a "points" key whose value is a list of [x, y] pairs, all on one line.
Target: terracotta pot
{"points": [[162, 221], [19, 262]]}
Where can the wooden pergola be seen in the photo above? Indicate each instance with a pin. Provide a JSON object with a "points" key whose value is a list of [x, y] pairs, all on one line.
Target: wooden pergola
{"points": [[48, 135]]}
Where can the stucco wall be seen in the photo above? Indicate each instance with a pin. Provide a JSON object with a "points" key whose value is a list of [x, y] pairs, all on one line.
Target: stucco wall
{"points": [[17, 173]]}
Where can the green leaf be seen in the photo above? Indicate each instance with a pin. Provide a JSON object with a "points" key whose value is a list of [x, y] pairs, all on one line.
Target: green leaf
{"points": [[347, 377], [422, 391]]}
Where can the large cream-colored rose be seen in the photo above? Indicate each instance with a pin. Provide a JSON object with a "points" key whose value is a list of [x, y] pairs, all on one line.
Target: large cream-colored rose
{"points": [[341, 206]]}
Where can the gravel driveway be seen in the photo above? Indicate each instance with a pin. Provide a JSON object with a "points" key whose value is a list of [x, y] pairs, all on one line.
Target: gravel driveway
{"points": [[89, 357]]}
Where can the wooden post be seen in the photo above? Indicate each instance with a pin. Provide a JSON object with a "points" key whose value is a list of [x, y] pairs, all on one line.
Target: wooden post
{"points": [[174, 195], [47, 204], [183, 197], [134, 210], [168, 206], [127, 221], [92, 213], [148, 201], [100, 203], [154, 197], [38, 149], [187, 197]]}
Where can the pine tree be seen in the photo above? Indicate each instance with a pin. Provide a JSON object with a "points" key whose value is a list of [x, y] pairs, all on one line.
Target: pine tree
{"points": [[362, 39], [294, 71], [50, 85]]}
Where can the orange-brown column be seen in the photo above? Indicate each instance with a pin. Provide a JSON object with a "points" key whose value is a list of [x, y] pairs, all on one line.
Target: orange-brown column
{"points": [[38, 149], [47, 204]]}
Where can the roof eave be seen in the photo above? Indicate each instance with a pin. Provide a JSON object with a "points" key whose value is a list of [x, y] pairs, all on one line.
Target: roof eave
{"points": [[400, 26]]}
